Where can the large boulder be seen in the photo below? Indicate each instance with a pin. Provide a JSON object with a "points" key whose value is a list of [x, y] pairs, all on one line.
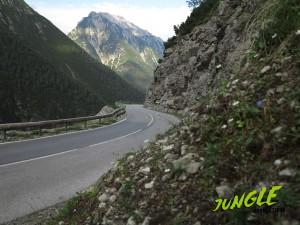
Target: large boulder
{"points": [[105, 110]]}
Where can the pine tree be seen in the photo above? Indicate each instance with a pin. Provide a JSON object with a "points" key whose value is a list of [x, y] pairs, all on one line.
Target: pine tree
{"points": [[193, 3]]}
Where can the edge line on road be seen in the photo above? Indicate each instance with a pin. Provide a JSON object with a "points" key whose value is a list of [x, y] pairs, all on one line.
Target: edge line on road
{"points": [[152, 120], [69, 151], [116, 139]]}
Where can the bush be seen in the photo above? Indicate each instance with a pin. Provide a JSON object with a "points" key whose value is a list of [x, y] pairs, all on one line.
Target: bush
{"points": [[199, 15], [280, 20], [170, 42]]}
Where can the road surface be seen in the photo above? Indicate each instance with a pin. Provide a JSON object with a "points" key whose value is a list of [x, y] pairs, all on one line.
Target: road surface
{"points": [[36, 174]]}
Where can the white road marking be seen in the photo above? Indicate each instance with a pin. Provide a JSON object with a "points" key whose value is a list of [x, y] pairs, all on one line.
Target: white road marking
{"points": [[56, 135], [66, 152], [116, 139], [73, 150], [152, 120]]}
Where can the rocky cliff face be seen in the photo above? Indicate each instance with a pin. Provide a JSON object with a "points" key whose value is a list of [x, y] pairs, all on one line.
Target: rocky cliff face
{"points": [[121, 45], [199, 60]]}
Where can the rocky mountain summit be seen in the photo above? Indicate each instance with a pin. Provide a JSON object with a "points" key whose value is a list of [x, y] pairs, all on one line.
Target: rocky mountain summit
{"points": [[121, 45]]}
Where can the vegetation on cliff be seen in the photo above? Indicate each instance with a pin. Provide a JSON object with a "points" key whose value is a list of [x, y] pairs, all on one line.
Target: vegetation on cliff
{"points": [[202, 10]]}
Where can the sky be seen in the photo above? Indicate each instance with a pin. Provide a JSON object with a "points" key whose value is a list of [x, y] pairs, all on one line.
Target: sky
{"points": [[156, 16]]}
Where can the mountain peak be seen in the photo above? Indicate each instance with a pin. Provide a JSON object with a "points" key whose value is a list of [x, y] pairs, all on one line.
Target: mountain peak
{"points": [[128, 49], [93, 13], [104, 17]]}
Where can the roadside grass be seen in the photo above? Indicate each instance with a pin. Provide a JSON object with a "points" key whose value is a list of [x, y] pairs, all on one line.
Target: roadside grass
{"points": [[74, 208], [15, 135], [280, 19]]}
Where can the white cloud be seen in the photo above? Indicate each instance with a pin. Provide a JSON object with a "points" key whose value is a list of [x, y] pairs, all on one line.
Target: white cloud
{"points": [[158, 21]]}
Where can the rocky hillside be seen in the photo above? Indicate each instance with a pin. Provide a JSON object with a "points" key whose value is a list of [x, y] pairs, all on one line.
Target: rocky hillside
{"points": [[239, 132], [204, 58], [45, 75], [125, 48]]}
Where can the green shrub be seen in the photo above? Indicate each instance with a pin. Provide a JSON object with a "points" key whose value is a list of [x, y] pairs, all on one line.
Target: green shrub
{"points": [[199, 15], [282, 18], [170, 42]]}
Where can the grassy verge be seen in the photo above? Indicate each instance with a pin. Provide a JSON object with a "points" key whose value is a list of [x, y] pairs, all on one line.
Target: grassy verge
{"points": [[31, 134]]}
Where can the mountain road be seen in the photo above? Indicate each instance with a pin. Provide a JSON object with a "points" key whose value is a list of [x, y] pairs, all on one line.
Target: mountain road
{"points": [[38, 173]]}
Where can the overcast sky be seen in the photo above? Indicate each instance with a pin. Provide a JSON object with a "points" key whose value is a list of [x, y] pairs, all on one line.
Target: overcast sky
{"points": [[156, 16]]}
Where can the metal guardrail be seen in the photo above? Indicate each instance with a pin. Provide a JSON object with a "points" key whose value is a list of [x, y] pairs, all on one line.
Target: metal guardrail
{"points": [[66, 122]]}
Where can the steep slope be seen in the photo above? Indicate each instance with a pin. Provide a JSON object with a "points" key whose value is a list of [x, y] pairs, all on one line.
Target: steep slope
{"points": [[121, 45], [44, 75], [199, 60], [31, 88]]}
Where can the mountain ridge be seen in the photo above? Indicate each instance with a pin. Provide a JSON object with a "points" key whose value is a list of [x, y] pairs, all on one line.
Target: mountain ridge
{"points": [[120, 44], [61, 58]]}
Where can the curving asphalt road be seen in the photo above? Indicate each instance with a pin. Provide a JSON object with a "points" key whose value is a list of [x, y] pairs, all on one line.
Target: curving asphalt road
{"points": [[36, 174]]}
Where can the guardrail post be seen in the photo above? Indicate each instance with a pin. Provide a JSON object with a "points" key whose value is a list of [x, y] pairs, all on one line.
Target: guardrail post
{"points": [[4, 135], [66, 126], [85, 124], [40, 131], [99, 121]]}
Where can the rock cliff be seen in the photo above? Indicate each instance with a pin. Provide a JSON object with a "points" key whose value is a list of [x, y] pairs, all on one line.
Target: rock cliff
{"points": [[200, 60]]}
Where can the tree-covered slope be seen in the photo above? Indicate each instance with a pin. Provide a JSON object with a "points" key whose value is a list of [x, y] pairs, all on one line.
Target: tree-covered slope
{"points": [[31, 88], [45, 75]]}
